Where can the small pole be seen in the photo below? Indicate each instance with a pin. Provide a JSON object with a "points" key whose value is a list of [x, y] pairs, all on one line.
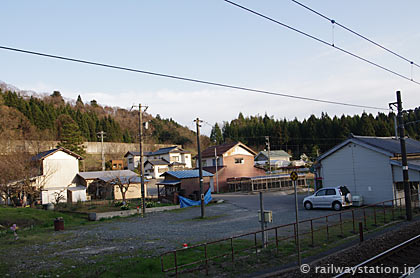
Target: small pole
{"points": [[200, 167], [102, 133], [141, 168], [361, 231], [262, 219], [217, 174], [297, 225]]}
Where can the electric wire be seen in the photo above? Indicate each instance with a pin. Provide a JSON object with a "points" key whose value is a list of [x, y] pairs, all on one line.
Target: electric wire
{"points": [[356, 33], [189, 79], [323, 42]]}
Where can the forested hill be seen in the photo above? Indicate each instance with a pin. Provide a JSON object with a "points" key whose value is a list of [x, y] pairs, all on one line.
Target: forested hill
{"points": [[313, 135], [40, 117]]}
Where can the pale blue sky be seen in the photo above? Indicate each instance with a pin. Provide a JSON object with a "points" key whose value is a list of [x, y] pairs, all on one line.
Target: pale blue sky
{"points": [[215, 41]]}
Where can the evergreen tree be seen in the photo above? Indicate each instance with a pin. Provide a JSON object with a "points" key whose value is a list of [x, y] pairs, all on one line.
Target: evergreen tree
{"points": [[69, 134], [216, 136]]}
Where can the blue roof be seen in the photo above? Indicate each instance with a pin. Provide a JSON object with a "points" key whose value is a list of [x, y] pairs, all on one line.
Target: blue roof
{"points": [[44, 154], [187, 174], [391, 144]]}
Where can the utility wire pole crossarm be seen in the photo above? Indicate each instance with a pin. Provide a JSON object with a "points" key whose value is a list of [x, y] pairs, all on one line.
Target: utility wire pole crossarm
{"points": [[200, 167]]}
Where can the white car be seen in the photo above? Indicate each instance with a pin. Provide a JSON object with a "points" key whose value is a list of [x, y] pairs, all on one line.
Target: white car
{"points": [[329, 197]]}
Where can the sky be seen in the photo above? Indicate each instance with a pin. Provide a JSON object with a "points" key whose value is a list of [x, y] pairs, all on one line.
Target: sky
{"points": [[218, 42]]}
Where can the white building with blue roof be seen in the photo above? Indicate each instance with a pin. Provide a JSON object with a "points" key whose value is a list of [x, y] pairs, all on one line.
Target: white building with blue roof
{"points": [[370, 167]]}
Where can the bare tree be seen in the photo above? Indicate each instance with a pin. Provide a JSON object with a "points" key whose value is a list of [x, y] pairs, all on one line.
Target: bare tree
{"points": [[123, 183]]}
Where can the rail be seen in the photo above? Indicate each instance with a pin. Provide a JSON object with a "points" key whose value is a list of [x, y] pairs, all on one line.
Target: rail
{"points": [[311, 231]]}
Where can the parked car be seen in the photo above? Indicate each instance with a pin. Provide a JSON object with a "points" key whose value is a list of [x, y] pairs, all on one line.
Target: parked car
{"points": [[329, 197]]}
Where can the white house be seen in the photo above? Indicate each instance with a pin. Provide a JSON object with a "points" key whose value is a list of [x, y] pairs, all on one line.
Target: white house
{"points": [[370, 167], [278, 158], [173, 158], [58, 170]]}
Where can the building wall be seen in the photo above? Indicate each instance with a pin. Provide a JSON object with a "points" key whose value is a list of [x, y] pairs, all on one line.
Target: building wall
{"points": [[232, 170], [193, 184], [133, 192], [363, 171], [59, 170]]}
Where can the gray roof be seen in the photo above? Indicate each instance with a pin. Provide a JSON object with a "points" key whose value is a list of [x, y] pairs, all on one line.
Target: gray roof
{"points": [[106, 174], [173, 149], [275, 153], [390, 144], [187, 174], [44, 154], [157, 162], [386, 145]]}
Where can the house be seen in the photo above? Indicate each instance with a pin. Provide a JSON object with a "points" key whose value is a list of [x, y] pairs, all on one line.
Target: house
{"points": [[57, 179], [156, 167], [278, 158], [185, 183], [104, 184], [232, 160], [173, 158], [370, 167], [117, 164]]}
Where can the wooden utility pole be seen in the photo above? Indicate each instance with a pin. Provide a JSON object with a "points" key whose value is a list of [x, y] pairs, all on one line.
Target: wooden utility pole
{"points": [[141, 168], [102, 133], [407, 191], [200, 168], [217, 174]]}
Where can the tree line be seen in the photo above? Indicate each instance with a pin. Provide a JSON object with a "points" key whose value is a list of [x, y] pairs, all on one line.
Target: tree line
{"points": [[313, 135]]}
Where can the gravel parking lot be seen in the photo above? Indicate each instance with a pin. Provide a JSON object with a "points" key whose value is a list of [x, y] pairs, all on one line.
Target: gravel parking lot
{"points": [[163, 231]]}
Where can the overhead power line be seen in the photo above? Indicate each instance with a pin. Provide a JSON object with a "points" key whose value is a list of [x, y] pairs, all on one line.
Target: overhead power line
{"points": [[323, 42], [188, 79], [356, 33]]}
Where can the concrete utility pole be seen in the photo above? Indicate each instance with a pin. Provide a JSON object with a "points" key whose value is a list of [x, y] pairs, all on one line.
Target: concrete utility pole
{"points": [[262, 216], [217, 174], [200, 168], [102, 133], [407, 191]]}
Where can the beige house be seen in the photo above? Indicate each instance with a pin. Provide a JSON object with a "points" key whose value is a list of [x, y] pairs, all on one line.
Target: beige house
{"points": [[57, 179], [104, 184]]}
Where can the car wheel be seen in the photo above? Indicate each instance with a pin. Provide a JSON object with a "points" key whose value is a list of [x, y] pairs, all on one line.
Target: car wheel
{"points": [[308, 205], [337, 206]]}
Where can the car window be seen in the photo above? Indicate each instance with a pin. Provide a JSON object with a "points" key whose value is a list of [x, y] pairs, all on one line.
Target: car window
{"points": [[344, 190], [330, 192], [320, 193]]}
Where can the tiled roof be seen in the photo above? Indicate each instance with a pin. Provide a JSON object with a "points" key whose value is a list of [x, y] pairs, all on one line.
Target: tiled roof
{"points": [[44, 154], [221, 149], [173, 149], [187, 174]]}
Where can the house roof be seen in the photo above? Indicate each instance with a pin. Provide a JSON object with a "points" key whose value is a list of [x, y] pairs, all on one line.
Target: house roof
{"points": [[187, 174], [157, 162], [212, 169], [43, 155], [412, 164], [273, 154], [221, 149], [173, 149], [387, 145], [169, 182], [106, 174]]}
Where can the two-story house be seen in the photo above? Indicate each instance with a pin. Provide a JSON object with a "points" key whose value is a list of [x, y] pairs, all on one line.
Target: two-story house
{"points": [[232, 160], [160, 161], [57, 180]]}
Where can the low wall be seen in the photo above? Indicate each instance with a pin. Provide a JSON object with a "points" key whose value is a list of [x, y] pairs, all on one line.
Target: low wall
{"points": [[110, 148], [93, 216]]}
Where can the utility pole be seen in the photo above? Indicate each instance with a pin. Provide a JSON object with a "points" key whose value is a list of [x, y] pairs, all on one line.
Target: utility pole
{"points": [[217, 174], [102, 133], [200, 168], [141, 168], [407, 191]]}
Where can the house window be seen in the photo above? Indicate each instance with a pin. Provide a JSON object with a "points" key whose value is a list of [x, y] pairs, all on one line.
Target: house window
{"points": [[239, 161], [175, 158], [130, 160], [204, 162]]}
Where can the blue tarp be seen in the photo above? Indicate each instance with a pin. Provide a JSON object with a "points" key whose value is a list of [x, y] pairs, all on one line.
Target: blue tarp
{"points": [[185, 202]]}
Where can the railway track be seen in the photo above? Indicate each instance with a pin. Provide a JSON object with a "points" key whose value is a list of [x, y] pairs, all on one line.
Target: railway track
{"points": [[397, 261]]}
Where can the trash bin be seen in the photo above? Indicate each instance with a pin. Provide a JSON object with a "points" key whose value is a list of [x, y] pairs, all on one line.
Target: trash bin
{"points": [[59, 224]]}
